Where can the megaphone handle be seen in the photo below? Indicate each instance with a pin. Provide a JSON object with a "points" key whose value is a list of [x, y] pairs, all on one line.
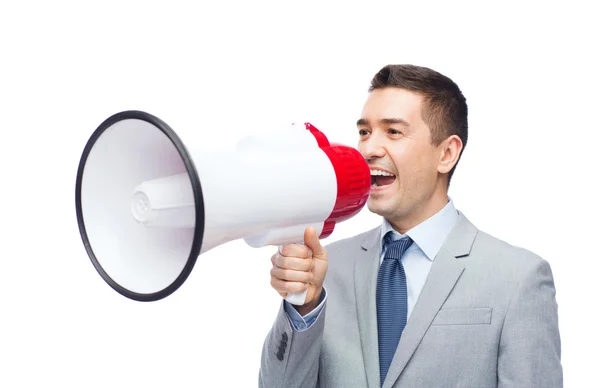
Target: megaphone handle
{"points": [[298, 298]]}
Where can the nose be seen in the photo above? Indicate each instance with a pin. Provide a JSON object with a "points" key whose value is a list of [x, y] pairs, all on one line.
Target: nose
{"points": [[371, 148]]}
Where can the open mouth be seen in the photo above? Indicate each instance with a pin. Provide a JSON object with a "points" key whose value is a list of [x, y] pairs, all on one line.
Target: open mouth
{"points": [[381, 178]]}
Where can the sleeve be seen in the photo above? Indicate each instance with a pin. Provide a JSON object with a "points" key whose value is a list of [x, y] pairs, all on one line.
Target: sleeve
{"points": [[290, 356], [530, 345], [299, 322]]}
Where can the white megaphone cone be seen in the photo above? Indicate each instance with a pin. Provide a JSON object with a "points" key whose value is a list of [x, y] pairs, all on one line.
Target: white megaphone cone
{"points": [[147, 206]]}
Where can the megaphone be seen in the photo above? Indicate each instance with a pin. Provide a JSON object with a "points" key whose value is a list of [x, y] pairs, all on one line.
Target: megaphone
{"points": [[147, 205]]}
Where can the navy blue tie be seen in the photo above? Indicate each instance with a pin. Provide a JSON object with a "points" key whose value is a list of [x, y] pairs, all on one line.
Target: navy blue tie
{"points": [[392, 300]]}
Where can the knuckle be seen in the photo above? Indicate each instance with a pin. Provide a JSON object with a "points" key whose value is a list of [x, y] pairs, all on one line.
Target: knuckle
{"points": [[280, 261], [279, 285], [308, 253], [299, 287], [291, 287], [306, 277], [286, 287], [294, 250], [310, 264], [285, 250], [281, 275]]}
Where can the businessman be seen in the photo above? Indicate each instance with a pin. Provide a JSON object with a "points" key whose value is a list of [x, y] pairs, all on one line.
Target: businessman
{"points": [[426, 299]]}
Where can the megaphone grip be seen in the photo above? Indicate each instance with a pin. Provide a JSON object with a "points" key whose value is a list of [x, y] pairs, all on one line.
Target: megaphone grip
{"points": [[296, 298]]}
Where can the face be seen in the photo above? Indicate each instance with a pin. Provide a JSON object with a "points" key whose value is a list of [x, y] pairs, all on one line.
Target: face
{"points": [[405, 165]]}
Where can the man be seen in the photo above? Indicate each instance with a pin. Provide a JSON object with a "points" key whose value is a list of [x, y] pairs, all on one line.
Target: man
{"points": [[427, 299]]}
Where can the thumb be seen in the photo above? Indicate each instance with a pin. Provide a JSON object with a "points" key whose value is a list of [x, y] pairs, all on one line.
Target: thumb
{"points": [[312, 241]]}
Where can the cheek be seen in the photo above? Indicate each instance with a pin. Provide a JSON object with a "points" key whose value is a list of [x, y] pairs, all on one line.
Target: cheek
{"points": [[419, 167], [414, 163], [411, 161]]}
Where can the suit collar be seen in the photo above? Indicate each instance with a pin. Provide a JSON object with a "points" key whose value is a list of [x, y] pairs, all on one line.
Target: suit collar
{"points": [[429, 235], [461, 237], [371, 239], [458, 243]]}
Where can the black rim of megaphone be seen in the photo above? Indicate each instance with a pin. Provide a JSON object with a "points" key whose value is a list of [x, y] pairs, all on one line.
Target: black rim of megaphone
{"points": [[198, 198]]}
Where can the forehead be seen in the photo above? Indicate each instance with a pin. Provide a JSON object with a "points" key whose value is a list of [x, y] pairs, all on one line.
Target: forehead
{"points": [[392, 103]]}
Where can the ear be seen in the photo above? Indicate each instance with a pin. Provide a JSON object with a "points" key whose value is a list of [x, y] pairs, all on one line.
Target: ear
{"points": [[449, 152]]}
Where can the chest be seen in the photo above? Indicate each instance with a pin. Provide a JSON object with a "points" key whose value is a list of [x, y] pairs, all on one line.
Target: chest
{"points": [[462, 336]]}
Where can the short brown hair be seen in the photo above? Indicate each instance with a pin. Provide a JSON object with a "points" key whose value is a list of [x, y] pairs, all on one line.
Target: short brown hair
{"points": [[444, 106]]}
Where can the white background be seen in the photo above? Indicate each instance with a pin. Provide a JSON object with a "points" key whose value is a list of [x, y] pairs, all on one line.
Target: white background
{"points": [[224, 70]]}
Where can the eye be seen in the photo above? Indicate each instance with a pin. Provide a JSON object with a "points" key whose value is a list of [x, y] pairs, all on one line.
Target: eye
{"points": [[393, 131], [363, 132]]}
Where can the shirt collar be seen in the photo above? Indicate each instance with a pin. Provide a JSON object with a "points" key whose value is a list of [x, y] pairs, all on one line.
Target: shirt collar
{"points": [[430, 234]]}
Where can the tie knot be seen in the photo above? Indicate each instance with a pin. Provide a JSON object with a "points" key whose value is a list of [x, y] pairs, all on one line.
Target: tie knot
{"points": [[395, 248]]}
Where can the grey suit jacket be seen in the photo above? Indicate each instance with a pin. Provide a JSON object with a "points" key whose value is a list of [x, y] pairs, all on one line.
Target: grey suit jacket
{"points": [[486, 317]]}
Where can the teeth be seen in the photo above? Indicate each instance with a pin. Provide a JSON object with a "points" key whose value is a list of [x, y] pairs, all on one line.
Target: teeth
{"points": [[381, 173]]}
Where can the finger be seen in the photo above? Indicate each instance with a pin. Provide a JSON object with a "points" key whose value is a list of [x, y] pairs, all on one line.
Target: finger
{"points": [[274, 260], [294, 263], [295, 250], [282, 286], [291, 275], [312, 241]]}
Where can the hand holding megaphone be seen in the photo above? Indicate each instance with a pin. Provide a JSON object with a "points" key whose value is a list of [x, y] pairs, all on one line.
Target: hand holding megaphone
{"points": [[299, 271]]}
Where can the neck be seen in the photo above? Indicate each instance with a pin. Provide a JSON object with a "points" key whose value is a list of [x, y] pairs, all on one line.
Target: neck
{"points": [[421, 212]]}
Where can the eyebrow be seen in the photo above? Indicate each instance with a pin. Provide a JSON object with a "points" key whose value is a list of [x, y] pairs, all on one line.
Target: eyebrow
{"points": [[391, 120]]}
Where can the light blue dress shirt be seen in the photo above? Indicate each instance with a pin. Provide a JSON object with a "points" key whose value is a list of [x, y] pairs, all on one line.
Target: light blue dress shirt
{"points": [[428, 237]]}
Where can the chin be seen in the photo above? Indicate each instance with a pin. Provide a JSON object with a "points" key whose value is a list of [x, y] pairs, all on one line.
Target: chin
{"points": [[388, 206], [377, 207]]}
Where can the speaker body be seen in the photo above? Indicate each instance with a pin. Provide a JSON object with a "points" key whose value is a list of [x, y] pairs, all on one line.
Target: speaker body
{"points": [[147, 205]]}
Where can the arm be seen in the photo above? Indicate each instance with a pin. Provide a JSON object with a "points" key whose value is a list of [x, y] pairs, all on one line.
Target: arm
{"points": [[530, 346], [290, 355]]}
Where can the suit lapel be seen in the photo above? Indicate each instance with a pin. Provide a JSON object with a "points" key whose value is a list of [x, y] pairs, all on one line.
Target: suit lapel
{"points": [[445, 272], [366, 267]]}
